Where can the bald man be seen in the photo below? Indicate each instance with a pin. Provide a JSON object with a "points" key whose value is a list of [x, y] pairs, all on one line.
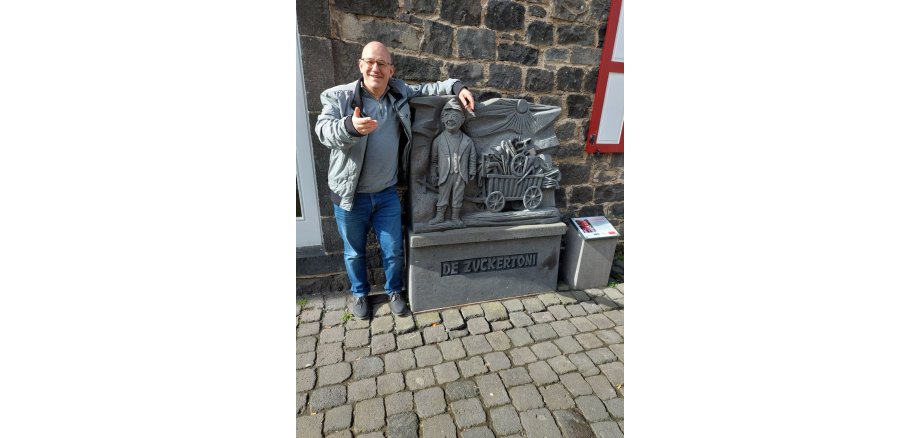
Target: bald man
{"points": [[367, 128]]}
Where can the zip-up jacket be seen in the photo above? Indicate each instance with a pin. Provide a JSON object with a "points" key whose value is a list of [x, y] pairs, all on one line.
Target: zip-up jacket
{"points": [[336, 130]]}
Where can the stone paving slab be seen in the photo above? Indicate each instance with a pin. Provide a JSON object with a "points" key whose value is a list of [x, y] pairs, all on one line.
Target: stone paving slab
{"points": [[543, 365]]}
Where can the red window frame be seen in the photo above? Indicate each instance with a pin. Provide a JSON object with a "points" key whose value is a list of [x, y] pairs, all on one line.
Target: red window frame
{"points": [[607, 66]]}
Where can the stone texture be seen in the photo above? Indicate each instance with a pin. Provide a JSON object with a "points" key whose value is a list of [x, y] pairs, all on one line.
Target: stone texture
{"points": [[417, 69], [545, 350], [382, 325], [440, 426], [556, 397], [461, 389], [586, 56], [494, 311], [446, 372], [575, 34], [356, 354], [418, 379], [452, 318], [504, 15], [384, 343], [515, 376], [468, 412], [310, 426], [428, 355], [472, 366], [462, 12], [390, 383], [409, 340], [477, 326], [601, 355], [362, 390], [381, 8], [517, 53], [430, 402], [540, 33], [542, 332], [305, 360], [332, 374], [404, 324], [556, 54], [505, 420], [491, 390], [477, 432], [499, 341], [585, 366], [327, 354], [306, 378], [438, 39], [357, 338], [520, 319], [332, 334], [542, 317], [513, 305], [327, 397], [452, 350], [504, 77], [369, 415], [592, 408], [403, 425], [539, 81], [497, 361], [539, 422], [337, 419], [542, 373], [434, 334], [533, 305], [561, 364], [525, 397], [569, 79], [588, 340], [613, 371], [579, 106], [476, 345], [563, 328], [607, 429], [427, 319], [399, 361], [398, 403], [522, 356], [519, 336], [576, 384], [475, 43], [536, 11], [573, 423]]}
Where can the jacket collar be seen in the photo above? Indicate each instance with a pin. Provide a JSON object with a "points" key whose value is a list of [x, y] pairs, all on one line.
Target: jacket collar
{"points": [[391, 90]]}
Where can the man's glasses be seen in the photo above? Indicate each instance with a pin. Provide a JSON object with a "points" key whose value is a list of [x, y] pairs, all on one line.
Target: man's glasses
{"points": [[371, 62]]}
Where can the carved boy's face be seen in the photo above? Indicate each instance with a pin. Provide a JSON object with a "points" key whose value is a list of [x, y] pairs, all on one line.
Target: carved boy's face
{"points": [[452, 120]]}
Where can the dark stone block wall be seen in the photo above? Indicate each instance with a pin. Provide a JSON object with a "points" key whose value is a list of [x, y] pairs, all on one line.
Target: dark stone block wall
{"points": [[545, 51]]}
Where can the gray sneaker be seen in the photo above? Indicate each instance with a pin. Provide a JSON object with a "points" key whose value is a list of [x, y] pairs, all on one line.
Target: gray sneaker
{"points": [[397, 305], [361, 308]]}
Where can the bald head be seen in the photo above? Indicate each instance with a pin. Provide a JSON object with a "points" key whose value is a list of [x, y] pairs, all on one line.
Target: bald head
{"points": [[376, 76], [376, 50]]}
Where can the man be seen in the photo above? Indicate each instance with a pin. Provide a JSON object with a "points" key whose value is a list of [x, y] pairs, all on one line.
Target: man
{"points": [[367, 127], [453, 163]]}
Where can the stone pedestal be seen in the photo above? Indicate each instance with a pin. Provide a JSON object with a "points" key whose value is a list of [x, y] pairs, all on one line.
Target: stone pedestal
{"points": [[469, 265], [586, 263]]}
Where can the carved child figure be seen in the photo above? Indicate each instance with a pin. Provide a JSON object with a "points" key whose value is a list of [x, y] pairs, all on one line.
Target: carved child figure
{"points": [[453, 163]]}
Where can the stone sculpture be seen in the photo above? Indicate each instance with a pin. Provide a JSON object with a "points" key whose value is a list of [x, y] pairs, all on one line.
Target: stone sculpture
{"points": [[510, 162], [453, 163]]}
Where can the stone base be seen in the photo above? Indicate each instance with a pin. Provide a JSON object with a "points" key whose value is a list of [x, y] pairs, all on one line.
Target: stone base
{"points": [[463, 266], [586, 263]]}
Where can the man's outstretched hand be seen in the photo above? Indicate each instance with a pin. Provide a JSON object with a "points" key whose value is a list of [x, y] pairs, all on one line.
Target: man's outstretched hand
{"points": [[364, 125], [466, 99]]}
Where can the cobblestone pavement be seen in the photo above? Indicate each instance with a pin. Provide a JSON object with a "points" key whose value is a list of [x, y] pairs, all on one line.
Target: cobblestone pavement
{"points": [[548, 365]]}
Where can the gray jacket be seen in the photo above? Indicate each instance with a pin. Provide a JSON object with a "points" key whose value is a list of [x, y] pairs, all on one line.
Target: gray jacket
{"points": [[336, 130]]}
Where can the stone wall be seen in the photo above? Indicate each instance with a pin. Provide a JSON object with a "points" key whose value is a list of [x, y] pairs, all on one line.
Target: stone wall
{"points": [[544, 51]]}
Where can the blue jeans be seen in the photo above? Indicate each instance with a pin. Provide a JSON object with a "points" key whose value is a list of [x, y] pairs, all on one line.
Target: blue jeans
{"points": [[383, 211]]}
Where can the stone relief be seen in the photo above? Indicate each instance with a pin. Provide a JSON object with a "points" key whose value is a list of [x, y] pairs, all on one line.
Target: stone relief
{"points": [[490, 167]]}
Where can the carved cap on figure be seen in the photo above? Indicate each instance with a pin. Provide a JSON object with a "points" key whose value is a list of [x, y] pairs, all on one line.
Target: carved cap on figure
{"points": [[453, 104]]}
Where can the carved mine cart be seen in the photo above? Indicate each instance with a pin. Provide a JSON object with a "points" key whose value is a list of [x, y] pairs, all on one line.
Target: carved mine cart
{"points": [[498, 189]]}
